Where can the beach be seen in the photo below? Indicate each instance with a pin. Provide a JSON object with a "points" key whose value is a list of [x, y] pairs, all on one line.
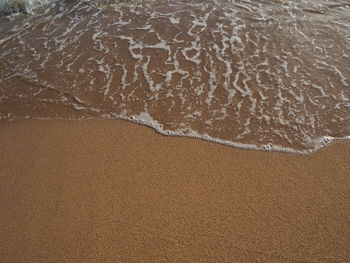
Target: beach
{"points": [[145, 131], [114, 191]]}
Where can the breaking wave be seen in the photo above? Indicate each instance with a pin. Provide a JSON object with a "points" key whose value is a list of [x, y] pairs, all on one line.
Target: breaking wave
{"points": [[17, 6]]}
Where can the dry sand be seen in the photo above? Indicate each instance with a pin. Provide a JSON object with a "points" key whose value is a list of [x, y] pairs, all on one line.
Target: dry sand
{"points": [[113, 191]]}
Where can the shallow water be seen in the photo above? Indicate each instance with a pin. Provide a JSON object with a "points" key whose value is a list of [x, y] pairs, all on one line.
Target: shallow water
{"points": [[271, 75]]}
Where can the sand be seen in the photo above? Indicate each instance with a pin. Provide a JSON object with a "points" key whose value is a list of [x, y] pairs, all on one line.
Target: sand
{"points": [[113, 191]]}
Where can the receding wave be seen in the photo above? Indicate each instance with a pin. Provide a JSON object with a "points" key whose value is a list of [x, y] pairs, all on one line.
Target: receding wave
{"points": [[272, 75]]}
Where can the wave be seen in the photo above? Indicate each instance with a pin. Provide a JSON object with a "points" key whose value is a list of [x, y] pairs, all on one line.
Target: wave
{"points": [[19, 6], [244, 75]]}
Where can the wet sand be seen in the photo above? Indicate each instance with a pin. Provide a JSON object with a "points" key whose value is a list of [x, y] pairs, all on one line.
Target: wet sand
{"points": [[113, 191]]}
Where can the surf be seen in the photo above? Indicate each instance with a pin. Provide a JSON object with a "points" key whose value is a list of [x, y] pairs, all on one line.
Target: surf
{"points": [[259, 74]]}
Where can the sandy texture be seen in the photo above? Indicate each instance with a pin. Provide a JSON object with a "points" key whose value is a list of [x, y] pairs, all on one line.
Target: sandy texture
{"points": [[112, 191]]}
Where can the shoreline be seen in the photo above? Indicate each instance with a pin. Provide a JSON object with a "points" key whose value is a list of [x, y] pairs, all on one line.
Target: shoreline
{"points": [[323, 142], [114, 191]]}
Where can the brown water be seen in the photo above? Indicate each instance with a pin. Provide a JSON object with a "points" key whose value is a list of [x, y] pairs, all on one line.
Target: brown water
{"points": [[264, 74]]}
